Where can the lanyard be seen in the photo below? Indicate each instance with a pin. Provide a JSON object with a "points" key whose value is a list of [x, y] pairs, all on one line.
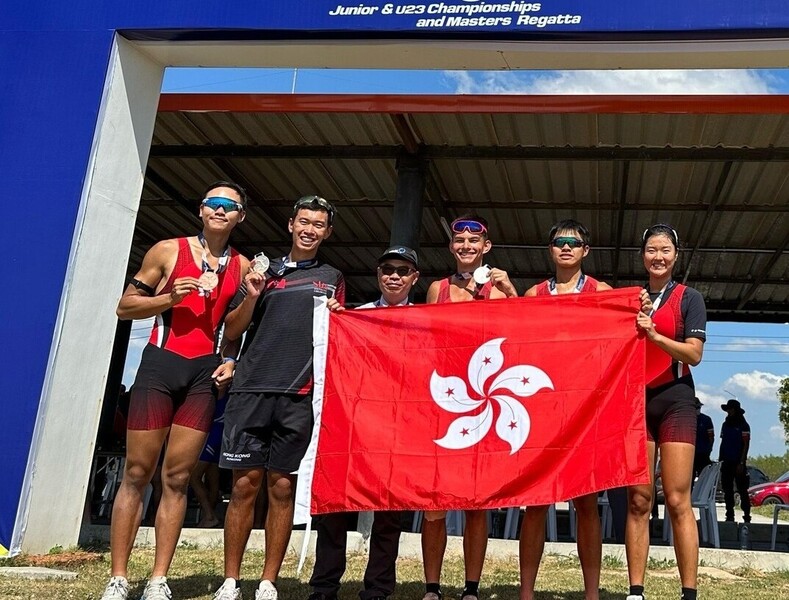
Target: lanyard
{"points": [[289, 264], [579, 285], [204, 261], [659, 299]]}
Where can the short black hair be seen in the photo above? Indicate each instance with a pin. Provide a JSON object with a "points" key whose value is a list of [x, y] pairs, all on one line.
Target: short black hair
{"points": [[242, 193], [313, 202], [570, 225], [660, 229]]}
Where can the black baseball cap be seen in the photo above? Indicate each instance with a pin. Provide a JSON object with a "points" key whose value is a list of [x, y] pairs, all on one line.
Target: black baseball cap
{"points": [[400, 252]]}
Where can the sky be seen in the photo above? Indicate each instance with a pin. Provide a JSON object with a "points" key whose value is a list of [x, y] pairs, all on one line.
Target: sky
{"points": [[743, 361]]}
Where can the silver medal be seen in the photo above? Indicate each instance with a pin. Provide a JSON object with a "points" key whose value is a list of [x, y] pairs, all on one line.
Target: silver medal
{"points": [[481, 275], [260, 263]]}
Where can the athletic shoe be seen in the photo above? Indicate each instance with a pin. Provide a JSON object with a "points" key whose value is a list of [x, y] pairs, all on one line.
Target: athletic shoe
{"points": [[228, 591], [266, 591], [432, 596], [320, 596], [639, 597], [117, 589], [469, 596], [157, 590]]}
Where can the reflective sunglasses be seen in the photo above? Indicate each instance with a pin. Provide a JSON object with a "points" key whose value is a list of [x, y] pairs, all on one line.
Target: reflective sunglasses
{"points": [[461, 225], [310, 201], [217, 202], [573, 242], [391, 269]]}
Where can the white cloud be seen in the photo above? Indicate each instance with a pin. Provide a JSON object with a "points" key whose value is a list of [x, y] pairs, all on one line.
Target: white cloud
{"points": [[657, 81], [756, 386], [709, 396], [753, 345], [777, 432]]}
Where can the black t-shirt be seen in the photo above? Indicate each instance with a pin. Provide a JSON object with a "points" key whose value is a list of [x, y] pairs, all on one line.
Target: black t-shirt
{"points": [[277, 354]]}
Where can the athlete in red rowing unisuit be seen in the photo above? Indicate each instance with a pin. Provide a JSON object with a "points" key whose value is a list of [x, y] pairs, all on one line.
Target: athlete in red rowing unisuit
{"points": [[187, 284], [468, 245]]}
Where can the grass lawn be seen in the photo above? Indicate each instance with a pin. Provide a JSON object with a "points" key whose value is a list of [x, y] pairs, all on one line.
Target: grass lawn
{"points": [[196, 573]]}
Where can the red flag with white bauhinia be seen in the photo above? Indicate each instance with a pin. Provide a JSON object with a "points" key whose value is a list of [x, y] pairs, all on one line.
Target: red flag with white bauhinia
{"points": [[484, 404]]}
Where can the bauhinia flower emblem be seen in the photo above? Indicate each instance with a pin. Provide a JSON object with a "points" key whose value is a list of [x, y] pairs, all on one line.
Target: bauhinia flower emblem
{"points": [[513, 423]]}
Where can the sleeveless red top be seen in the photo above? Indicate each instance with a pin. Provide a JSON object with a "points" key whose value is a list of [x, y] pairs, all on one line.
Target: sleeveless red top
{"points": [[190, 329], [590, 285], [482, 293], [668, 321]]}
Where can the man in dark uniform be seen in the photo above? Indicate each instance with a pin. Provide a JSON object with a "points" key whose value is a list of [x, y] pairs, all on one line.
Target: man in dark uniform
{"points": [[268, 419], [705, 438], [397, 274], [735, 440]]}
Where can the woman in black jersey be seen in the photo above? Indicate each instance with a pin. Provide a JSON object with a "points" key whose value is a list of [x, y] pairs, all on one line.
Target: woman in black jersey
{"points": [[676, 325]]}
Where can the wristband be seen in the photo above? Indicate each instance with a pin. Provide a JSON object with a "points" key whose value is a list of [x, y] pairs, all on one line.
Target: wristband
{"points": [[227, 360]]}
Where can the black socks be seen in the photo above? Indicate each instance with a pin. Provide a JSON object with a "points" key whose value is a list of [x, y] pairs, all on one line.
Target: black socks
{"points": [[471, 588], [637, 590], [688, 594], [434, 588]]}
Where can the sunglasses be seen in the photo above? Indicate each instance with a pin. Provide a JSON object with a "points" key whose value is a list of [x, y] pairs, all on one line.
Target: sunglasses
{"points": [[311, 201], [461, 225], [217, 202], [573, 242], [391, 270]]}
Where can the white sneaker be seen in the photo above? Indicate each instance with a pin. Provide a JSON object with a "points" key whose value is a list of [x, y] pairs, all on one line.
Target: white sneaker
{"points": [[157, 590], [228, 591], [117, 589], [431, 596], [639, 597], [266, 591]]}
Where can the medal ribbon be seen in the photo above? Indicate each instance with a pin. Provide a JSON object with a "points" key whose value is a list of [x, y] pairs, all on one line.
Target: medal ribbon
{"points": [[659, 299], [579, 285], [289, 264], [206, 268]]}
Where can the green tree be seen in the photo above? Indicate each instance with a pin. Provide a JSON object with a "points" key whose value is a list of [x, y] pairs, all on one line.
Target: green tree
{"points": [[783, 406]]}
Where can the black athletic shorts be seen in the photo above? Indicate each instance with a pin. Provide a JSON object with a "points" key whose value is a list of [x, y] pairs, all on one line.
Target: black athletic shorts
{"points": [[266, 430], [671, 412], [172, 390]]}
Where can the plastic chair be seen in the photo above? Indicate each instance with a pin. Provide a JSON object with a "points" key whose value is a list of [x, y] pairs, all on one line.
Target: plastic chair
{"points": [[607, 516], [511, 524], [703, 498], [776, 509]]}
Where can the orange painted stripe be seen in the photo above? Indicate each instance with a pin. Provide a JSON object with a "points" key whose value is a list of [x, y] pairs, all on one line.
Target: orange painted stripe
{"points": [[535, 104]]}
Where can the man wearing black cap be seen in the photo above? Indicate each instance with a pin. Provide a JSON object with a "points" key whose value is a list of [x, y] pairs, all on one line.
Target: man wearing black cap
{"points": [[397, 274], [735, 439], [705, 438]]}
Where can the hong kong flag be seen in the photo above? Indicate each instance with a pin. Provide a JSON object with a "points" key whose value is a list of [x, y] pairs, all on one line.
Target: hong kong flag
{"points": [[480, 404]]}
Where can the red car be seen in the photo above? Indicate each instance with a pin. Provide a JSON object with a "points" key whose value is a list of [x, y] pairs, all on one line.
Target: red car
{"points": [[773, 492]]}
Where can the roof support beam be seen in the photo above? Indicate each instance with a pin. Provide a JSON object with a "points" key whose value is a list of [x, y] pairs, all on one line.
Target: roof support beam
{"points": [[762, 276], [705, 222], [620, 219], [714, 154]]}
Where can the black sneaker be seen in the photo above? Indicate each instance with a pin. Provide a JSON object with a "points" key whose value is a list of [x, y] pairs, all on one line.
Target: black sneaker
{"points": [[320, 596]]}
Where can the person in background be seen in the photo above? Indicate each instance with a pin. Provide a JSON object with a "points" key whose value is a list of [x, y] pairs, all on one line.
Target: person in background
{"points": [[735, 441], [705, 438]]}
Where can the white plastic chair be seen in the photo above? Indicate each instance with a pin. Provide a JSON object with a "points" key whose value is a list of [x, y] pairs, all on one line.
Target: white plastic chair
{"points": [[703, 498]]}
